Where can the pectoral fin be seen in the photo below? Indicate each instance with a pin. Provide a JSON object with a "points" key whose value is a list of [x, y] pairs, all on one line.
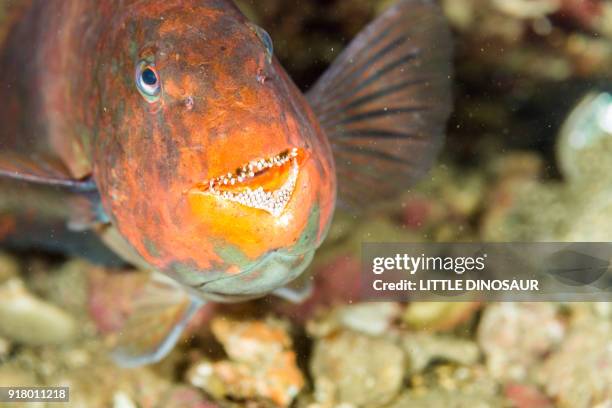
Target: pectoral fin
{"points": [[385, 101], [81, 195], [159, 315], [40, 170]]}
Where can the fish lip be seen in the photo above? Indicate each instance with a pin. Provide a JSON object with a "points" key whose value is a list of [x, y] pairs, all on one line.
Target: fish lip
{"points": [[236, 187], [306, 255]]}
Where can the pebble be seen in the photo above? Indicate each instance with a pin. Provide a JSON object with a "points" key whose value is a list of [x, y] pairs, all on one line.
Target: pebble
{"points": [[122, 400], [516, 336], [5, 347], [261, 363], [374, 319], [9, 267], [438, 316], [579, 373], [449, 387], [353, 368], [27, 319], [424, 348]]}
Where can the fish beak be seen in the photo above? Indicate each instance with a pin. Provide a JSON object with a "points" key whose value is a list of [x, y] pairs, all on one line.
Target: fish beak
{"points": [[265, 184]]}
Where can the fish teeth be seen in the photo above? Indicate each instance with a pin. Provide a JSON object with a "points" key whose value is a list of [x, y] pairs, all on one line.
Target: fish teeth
{"points": [[254, 166], [273, 202]]}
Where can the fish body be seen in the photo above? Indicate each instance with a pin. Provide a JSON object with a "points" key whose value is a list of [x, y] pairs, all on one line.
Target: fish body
{"points": [[169, 130]]}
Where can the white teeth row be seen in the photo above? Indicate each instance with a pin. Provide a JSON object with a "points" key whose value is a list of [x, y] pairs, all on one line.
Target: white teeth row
{"points": [[274, 202], [249, 170]]}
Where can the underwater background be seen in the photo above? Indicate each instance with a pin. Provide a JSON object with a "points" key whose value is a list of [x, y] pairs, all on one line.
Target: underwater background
{"points": [[528, 157]]}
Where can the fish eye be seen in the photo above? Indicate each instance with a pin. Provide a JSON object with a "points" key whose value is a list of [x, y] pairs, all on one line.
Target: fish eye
{"points": [[148, 81], [265, 39]]}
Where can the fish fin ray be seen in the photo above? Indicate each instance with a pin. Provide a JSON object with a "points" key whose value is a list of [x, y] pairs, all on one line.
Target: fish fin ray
{"points": [[81, 195], [385, 101], [42, 170], [158, 318]]}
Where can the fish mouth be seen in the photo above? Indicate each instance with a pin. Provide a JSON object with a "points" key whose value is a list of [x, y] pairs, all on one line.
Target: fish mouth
{"points": [[265, 184]]}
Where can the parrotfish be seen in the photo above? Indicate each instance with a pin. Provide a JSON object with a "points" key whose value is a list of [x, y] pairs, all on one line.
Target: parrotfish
{"points": [[168, 132]]}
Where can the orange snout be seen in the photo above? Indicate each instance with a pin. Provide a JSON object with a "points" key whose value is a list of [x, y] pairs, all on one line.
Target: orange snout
{"points": [[261, 206]]}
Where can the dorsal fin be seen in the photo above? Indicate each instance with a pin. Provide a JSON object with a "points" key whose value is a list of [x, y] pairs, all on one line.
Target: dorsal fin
{"points": [[385, 101]]}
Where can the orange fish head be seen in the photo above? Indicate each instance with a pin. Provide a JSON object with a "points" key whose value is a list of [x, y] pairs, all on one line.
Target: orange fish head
{"points": [[210, 162]]}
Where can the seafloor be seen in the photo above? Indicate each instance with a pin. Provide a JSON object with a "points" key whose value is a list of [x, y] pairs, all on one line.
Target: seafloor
{"points": [[527, 74]]}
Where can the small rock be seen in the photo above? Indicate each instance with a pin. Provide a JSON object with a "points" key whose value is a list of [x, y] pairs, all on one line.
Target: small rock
{"points": [[29, 320], [185, 397], [100, 382], [423, 348], [524, 9], [515, 336], [421, 212], [368, 318], [526, 396], [579, 373], [122, 400], [438, 316], [603, 309], [585, 140], [445, 398], [517, 165], [11, 373], [5, 347], [9, 268], [356, 369], [261, 364], [251, 341], [458, 388], [64, 285]]}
